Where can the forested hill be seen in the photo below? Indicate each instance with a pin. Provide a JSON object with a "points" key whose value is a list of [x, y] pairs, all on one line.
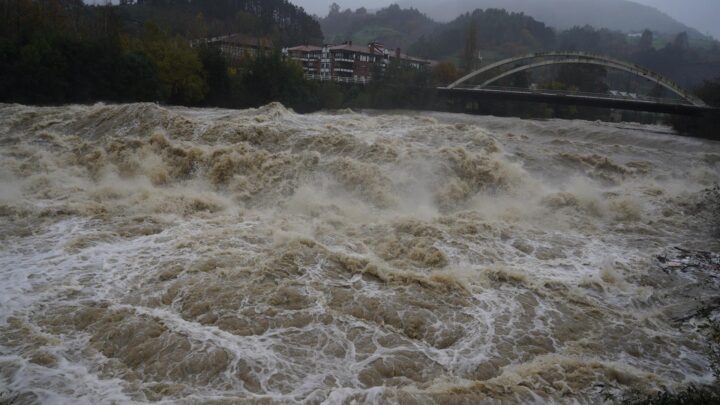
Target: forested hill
{"points": [[620, 15], [392, 26], [498, 34], [286, 23], [64, 51]]}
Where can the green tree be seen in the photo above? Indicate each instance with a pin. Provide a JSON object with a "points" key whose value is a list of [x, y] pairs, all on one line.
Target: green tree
{"points": [[586, 78], [710, 92], [217, 73], [334, 9], [42, 71], [681, 42], [445, 73], [519, 80], [707, 125], [137, 79], [330, 95], [269, 78], [646, 40], [179, 68], [399, 87]]}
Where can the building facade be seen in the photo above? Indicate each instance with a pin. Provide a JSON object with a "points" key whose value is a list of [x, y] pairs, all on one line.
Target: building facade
{"points": [[348, 63]]}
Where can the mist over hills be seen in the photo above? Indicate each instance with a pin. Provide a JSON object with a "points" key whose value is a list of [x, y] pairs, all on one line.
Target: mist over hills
{"points": [[392, 26], [622, 15]]}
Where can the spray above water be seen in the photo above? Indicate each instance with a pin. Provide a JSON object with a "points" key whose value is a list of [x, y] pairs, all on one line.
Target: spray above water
{"points": [[154, 253]]}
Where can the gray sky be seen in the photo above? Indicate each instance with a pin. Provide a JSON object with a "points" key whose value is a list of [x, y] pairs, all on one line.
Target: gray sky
{"points": [[703, 15]]}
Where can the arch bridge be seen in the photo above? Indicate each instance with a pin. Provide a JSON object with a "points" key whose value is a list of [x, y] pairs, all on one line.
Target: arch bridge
{"points": [[684, 103]]}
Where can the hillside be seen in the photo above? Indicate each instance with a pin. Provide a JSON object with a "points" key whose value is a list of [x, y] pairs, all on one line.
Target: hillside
{"points": [[499, 34], [284, 22], [621, 15], [63, 51], [392, 26]]}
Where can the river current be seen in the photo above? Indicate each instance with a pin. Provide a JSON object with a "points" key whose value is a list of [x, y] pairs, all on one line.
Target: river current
{"points": [[188, 255]]}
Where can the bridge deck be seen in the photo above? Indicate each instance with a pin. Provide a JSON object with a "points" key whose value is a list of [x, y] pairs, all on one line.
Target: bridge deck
{"points": [[636, 103]]}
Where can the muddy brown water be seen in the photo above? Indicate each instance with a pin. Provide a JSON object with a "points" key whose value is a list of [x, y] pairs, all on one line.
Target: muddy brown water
{"points": [[261, 256]]}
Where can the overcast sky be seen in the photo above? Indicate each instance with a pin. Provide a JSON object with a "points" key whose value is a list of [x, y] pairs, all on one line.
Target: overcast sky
{"points": [[703, 15]]}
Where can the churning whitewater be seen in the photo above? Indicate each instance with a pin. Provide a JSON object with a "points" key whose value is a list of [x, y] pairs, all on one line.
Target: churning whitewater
{"points": [[208, 256]]}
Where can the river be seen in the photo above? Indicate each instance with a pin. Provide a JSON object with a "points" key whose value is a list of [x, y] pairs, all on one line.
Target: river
{"points": [[150, 253]]}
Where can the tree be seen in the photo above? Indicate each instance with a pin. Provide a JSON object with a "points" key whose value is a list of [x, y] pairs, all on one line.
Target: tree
{"points": [[269, 78], [401, 87], [707, 125], [198, 29], [42, 74], [586, 78], [330, 95], [218, 79], [470, 52], [710, 92], [246, 22], [137, 78], [179, 68], [445, 73], [520, 80], [334, 9], [681, 42], [646, 40]]}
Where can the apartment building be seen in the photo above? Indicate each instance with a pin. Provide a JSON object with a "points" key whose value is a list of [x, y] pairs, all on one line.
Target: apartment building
{"points": [[348, 63]]}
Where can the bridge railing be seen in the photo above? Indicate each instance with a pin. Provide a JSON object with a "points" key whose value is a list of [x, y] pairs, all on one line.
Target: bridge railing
{"points": [[577, 57], [634, 97], [590, 55]]}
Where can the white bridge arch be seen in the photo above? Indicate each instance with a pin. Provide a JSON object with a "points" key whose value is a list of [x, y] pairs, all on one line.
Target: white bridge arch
{"points": [[555, 58]]}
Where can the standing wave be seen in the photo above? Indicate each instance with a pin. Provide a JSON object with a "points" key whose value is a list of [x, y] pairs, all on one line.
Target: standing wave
{"points": [[207, 256]]}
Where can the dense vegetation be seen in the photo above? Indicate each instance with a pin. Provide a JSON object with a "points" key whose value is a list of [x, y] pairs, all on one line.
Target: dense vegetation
{"points": [[496, 32], [676, 59], [283, 22], [707, 126], [63, 51], [60, 51], [392, 26], [499, 34]]}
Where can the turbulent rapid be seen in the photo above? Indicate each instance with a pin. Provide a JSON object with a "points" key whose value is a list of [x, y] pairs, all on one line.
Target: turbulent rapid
{"points": [[211, 256]]}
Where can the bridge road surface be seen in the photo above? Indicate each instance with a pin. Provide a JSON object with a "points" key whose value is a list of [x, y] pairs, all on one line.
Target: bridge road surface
{"points": [[571, 98]]}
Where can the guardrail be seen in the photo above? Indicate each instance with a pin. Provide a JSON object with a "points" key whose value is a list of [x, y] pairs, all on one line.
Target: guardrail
{"points": [[635, 97]]}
